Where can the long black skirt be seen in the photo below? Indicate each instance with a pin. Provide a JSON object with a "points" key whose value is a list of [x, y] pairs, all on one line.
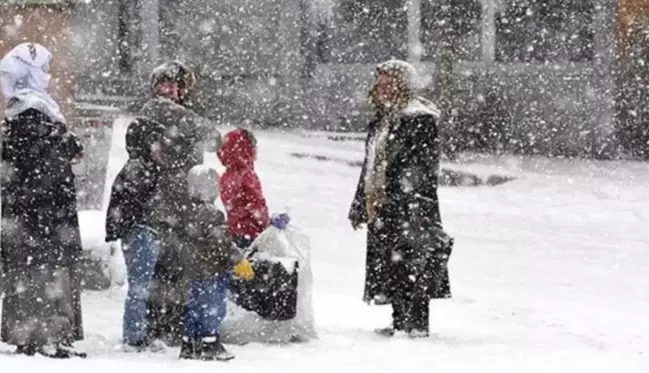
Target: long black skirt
{"points": [[38, 306]]}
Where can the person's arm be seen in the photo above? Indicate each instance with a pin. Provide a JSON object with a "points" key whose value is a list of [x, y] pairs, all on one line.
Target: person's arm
{"points": [[420, 172], [198, 128], [357, 211], [255, 201], [223, 248], [130, 193]]}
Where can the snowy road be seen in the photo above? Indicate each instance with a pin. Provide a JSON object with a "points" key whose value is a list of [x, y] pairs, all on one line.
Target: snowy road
{"points": [[548, 274]]}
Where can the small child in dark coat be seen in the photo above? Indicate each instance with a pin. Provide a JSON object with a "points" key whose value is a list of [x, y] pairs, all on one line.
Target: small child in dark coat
{"points": [[209, 256]]}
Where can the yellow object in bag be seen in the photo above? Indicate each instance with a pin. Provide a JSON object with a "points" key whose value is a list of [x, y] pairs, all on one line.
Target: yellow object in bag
{"points": [[244, 270]]}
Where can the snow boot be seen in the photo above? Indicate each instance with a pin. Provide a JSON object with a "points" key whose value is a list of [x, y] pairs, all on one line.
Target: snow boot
{"points": [[58, 351], [29, 350], [190, 349], [385, 332], [139, 346], [145, 346], [69, 349], [213, 349], [388, 331]]}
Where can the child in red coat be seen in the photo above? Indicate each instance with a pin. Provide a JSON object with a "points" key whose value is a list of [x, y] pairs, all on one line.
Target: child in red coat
{"points": [[240, 187]]}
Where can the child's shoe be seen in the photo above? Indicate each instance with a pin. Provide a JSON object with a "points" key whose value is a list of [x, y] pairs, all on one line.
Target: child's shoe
{"points": [[213, 349], [190, 349]]}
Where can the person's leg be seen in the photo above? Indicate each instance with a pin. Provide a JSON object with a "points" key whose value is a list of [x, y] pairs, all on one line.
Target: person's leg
{"points": [[420, 318], [43, 307], [214, 309], [76, 277], [140, 254], [399, 314], [416, 301], [214, 305], [192, 321]]}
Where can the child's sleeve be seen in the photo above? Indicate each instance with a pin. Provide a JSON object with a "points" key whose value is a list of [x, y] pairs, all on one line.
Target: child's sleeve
{"points": [[216, 233], [256, 203]]}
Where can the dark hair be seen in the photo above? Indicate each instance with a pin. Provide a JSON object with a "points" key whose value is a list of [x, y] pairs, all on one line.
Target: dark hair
{"points": [[250, 137], [140, 135], [174, 72]]}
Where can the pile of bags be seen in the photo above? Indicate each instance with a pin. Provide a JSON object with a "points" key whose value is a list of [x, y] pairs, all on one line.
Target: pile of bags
{"points": [[277, 305]]}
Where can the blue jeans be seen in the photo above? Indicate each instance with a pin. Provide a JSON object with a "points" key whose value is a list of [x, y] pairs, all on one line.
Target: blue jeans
{"points": [[140, 254], [206, 306]]}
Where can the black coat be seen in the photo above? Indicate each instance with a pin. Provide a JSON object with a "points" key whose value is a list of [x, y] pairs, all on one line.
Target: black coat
{"points": [[206, 248], [410, 223], [184, 131], [39, 209], [40, 225], [131, 198]]}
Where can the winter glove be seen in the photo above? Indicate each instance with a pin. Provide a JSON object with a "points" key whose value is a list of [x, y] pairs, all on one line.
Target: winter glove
{"points": [[244, 270], [280, 221], [441, 243], [74, 146], [357, 216], [356, 223]]}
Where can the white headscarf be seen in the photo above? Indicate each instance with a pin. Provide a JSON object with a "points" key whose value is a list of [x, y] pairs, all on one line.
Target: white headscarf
{"points": [[24, 79]]}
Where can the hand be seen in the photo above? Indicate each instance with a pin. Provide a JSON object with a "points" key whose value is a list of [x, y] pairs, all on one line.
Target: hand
{"points": [[75, 147], [115, 246], [356, 224], [356, 217], [280, 221], [244, 270]]}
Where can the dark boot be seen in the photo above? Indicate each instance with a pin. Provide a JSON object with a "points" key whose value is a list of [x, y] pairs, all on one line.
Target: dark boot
{"points": [[59, 351], [190, 349], [68, 348], [398, 321], [388, 331], [53, 351], [139, 346], [213, 349], [419, 318], [145, 346], [29, 350]]}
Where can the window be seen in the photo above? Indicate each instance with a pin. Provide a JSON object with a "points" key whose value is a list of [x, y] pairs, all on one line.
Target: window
{"points": [[544, 31]]}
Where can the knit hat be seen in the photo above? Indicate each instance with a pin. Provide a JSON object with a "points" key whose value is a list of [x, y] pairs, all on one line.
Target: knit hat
{"points": [[202, 182], [405, 77]]}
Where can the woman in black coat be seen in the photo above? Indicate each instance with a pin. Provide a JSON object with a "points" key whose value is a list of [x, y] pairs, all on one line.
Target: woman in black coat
{"points": [[396, 196], [41, 241]]}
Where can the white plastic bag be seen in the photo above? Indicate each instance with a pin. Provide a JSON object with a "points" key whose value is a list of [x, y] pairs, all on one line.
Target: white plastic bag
{"points": [[116, 266], [284, 246]]}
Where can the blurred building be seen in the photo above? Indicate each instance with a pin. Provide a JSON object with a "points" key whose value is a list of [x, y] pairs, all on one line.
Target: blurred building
{"points": [[530, 76]]}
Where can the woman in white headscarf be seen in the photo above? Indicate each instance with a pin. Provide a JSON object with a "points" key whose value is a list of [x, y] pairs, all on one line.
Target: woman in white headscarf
{"points": [[396, 197], [41, 243], [24, 78]]}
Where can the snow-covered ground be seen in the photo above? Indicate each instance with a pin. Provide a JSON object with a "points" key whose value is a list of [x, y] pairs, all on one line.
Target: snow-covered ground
{"points": [[549, 274]]}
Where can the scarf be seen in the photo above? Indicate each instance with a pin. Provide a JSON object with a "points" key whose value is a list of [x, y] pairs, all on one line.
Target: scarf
{"points": [[24, 79], [389, 116]]}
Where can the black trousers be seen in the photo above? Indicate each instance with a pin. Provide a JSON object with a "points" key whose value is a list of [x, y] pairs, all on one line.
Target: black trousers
{"points": [[411, 314], [410, 304]]}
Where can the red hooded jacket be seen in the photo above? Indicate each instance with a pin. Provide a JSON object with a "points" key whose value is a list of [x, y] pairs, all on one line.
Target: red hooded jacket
{"points": [[240, 187]]}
